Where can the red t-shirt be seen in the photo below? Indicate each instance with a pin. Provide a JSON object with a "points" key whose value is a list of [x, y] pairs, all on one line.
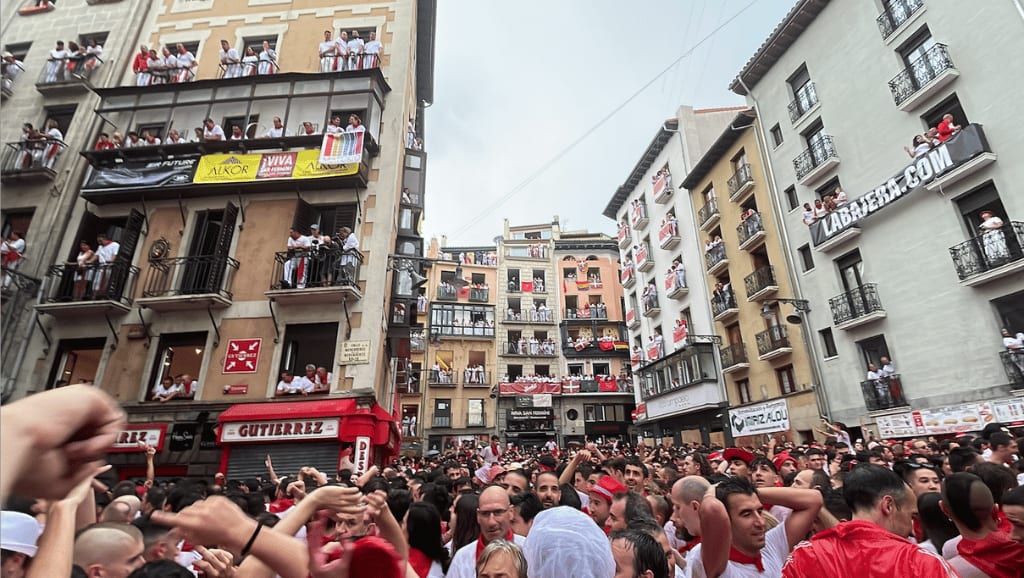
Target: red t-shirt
{"points": [[945, 129]]}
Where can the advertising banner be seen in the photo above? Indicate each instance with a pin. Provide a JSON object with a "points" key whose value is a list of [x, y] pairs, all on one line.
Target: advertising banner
{"points": [[138, 175], [342, 148], [530, 387], [968, 417], [763, 418], [244, 168]]}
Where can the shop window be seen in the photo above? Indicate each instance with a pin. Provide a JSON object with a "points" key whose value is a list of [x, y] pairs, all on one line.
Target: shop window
{"points": [[309, 344], [77, 361], [179, 357]]}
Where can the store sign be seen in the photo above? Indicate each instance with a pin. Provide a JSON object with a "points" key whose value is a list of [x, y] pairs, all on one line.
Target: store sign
{"points": [[763, 418], [208, 436], [362, 453], [280, 430], [532, 413], [1009, 411], [141, 175], [247, 168], [243, 355], [969, 143], [135, 438], [684, 400], [355, 353], [183, 437], [542, 400], [896, 426]]}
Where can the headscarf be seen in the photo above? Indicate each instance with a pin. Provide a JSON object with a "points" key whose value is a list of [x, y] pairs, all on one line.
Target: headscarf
{"points": [[566, 543]]}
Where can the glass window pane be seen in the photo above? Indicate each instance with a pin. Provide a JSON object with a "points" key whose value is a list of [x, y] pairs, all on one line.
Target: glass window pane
{"points": [[200, 95]]}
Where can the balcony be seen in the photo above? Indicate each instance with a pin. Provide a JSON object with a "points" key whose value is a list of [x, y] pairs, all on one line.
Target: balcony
{"points": [[816, 160], [741, 183], [586, 314], [668, 234], [675, 285], [638, 217], [96, 289], [40, 7], [856, 307], [474, 419], [528, 348], [734, 358], [476, 377], [532, 251], [632, 320], [625, 236], [723, 305], [849, 234], [805, 99], [883, 393], [663, 188], [761, 283], [751, 232], [896, 14], [588, 347], [642, 257], [773, 342], [655, 351], [416, 342], [1013, 363], [530, 316], [446, 292], [16, 289], [31, 160], [318, 276], [184, 283], [708, 215], [991, 255], [628, 276], [441, 377], [716, 260], [441, 421], [924, 78], [65, 76], [479, 294], [651, 306]]}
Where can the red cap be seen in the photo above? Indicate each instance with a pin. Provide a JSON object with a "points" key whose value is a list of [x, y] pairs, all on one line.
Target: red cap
{"points": [[715, 456], [739, 454], [782, 458], [607, 487]]}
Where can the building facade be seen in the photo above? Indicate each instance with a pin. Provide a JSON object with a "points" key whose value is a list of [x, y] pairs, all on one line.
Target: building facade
{"points": [[907, 237], [673, 349], [764, 359], [223, 279]]}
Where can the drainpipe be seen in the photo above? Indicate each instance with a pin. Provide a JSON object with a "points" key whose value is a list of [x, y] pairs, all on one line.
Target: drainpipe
{"points": [[1020, 8], [819, 387], [12, 381]]}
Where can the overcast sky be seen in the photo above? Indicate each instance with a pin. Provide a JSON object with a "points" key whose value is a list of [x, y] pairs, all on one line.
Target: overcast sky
{"points": [[517, 82]]}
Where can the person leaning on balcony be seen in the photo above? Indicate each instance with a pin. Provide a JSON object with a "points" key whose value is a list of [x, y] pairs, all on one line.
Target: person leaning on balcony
{"points": [[840, 197], [12, 248], [297, 262], [881, 383], [355, 51], [85, 265], [166, 390], [334, 127], [170, 69], [174, 137], [212, 131], [12, 67], [157, 68], [355, 124], [236, 133], [267, 60], [250, 62], [349, 248], [993, 239], [888, 369], [56, 62], [149, 140], [1015, 345], [103, 143], [946, 129], [93, 51], [140, 66], [371, 51], [55, 140], [292, 385], [327, 52], [808, 215], [230, 60], [342, 52], [308, 129], [921, 146], [106, 254], [186, 62]]}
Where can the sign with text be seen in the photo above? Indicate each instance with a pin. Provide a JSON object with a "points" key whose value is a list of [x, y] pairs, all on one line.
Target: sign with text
{"points": [[246, 168], [140, 175], [763, 418], [280, 430], [531, 413], [243, 355], [684, 400], [355, 353], [362, 454], [967, 144], [183, 437], [130, 438]]}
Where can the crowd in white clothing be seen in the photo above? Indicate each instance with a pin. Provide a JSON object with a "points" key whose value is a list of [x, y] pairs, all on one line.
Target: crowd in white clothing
{"points": [[349, 52]]}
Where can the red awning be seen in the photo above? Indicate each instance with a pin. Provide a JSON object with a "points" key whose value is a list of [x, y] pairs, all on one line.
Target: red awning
{"points": [[283, 410]]}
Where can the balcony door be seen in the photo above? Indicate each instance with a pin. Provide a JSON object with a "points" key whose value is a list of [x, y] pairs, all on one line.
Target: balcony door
{"points": [[873, 349], [209, 250], [851, 273], [917, 60]]}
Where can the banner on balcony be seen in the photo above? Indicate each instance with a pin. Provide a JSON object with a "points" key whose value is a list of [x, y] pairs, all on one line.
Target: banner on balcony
{"points": [[142, 175], [962, 418], [342, 148], [530, 388], [763, 418], [967, 144], [244, 168]]}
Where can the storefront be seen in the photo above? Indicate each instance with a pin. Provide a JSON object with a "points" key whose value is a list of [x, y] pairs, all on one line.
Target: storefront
{"points": [[530, 427], [305, 433], [688, 415]]}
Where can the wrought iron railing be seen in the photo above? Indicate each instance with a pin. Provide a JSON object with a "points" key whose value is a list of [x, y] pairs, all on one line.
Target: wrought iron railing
{"points": [[479, 294], [708, 211], [95, 282], [476, 378], [772, 339], [202, 275], [749, 227], [447, 293], [75, 70], [762, 278], [741, 177], [442, 377], [819, 151], [883, 393], [855, 303], [326, 267], [714, 256], [734, 354], [895, 14], [920, 72], [442, 421], [724, 303], [32, 156], [990, 250], [1013, 363], [526, 348], [247, 68], [476, 419], [804, 99], [650, 303]]}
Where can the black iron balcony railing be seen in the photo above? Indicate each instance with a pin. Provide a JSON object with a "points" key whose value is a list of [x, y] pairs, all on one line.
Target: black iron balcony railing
{"points": [[855, 303], [442, 421], [32, 157], [441, 377], [723, 303], [714, 256], [479, 294], [804, 98], [586, 313], [247, 68], [476, 377], [883, 393], [762, 278], [328, 267], [921, 71], [741, 177], [819, 151], [772, 339], [527, 348], [650, 303], [896, 13], [708, 211], [178, 276], [989, 250], [1013, 363], [734, 354], [67, 71], [749, 227], [13, 282], [476, 420], [96, 282], [447, 292]]}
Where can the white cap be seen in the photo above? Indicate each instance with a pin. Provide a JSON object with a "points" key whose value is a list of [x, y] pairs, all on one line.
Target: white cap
{"points": [[19, 532]]}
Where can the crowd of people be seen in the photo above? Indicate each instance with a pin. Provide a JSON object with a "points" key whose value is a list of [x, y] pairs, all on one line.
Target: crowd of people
{"points": [[597, 310], [66, 62], [649, 297], [532, 346], [166, 66], [824, 206], [881, 508], [676, 274], [935, 136], [39, 148], [180, 386], [349, 52], [317, 260], [314, 380], [539, 312]]}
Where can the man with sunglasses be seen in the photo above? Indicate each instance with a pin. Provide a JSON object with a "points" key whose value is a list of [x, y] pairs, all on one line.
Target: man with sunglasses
{"points": [[494, 514]]}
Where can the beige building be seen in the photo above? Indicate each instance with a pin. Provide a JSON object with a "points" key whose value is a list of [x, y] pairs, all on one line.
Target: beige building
{"points": [[206, 287]]}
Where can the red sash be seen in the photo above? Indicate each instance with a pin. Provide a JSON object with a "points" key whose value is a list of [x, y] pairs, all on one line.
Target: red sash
{"points": [[689, 545], [737, 556], [419, 562], [480, 545]]}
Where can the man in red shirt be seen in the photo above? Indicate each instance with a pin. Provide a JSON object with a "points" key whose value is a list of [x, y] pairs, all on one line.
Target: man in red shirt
{"points": [[946, 128], [140, 65], [983, 549], [874, 544]]}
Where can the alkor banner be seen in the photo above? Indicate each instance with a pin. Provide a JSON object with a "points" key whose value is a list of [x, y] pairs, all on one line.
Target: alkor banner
{"points": [[140, 175], [967, 144], [763, 418]]}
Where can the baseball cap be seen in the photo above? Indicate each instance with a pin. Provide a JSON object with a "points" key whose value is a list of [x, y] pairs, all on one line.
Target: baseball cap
{"points": [[607, 487], [715, 457], [314, 226], [738, 454], [782, 458], [19, 532]]}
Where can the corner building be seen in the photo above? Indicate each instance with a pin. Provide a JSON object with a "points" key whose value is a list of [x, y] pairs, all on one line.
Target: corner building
{"points": [[205, 284], [908, 269]]}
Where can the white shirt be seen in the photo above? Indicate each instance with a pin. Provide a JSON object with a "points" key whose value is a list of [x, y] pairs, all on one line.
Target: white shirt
{"points": [[489, 456], [351, 128], [372, 47], [355, 46], [216, 131], [187, 60], [58, 54], [327, 48], [107, 253], [351, 243], [161, 391], [887, 370], [299, 383], [15, 246], [342, 46], [301, 243], [464, 561], [275, 132], [1014, 342], [773, 557]]}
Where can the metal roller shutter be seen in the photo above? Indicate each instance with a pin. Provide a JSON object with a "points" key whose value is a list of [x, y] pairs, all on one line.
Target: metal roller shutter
{"points": [[247, 461]]}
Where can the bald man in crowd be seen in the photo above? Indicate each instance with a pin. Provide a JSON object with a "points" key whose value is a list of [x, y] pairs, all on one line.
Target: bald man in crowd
{"points": [[109, 550]]}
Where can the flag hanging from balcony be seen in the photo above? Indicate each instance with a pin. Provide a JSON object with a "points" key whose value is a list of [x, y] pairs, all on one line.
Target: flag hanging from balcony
{"points": [[341, 148], [526, 286], [582, 285], [464, 292]]}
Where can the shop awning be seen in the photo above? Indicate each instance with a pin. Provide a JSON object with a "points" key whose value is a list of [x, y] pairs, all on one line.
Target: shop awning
{"points": [[343, 419], [284, 410]]}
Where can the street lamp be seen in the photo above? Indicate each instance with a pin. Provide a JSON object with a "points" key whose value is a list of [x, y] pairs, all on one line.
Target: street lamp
{"points": [[799, 306]]}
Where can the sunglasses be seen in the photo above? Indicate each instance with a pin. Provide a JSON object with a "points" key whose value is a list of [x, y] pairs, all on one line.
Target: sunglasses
{"points": [[916, 466]]}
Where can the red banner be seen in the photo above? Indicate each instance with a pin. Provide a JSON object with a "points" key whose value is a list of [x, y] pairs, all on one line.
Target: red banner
{"points": [[526, 286], [607, 384], [679, 333], [530, 387]]}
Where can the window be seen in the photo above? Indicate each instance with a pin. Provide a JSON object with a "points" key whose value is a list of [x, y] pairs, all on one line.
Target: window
{"points": [[462, 320], [804, 96], [542, 370], [917, 46], [787, 382], [739, 160], [513, 280], [410, 420], [829, 188], [983, 198], [776, 135], [806, 257], [743, 386], [950, 105], [575, 369], [63, 115], [851, 270], [18, 220], [478, 279], [604, 412], [256, 43], [77, 361], [19, 51], [309, 344], [179, 357], [442, 413], [828, 343], [363, 32], [792, 201], [514, 372], [475, 413], [100, 38], [873, 349], [602, 369]]}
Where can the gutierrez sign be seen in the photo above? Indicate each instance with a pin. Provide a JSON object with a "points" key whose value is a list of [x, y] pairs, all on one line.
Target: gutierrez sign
{"points": [[280, 430]]}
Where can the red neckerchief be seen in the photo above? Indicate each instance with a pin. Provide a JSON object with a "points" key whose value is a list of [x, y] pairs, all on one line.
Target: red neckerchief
{"points": [[689, 545], [1003, 521], [419, 562], [996, 555], [480, 545], [918, 531], [278, 506], [495, 451], [741, 558]]}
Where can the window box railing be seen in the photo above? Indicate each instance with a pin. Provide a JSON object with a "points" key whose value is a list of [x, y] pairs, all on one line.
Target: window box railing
{"points": [[715, 256], [760, 282], [63, 72], [655, 351], [476, 420], [723, 303], [668, 235], [883, 393], [749, 229], [36, 7], [476, 378], [479, 294], [638, 216], [804, 100], [526, 348], [624, 236], [675, 284], [740, 181], [855, 303], [921, 71], [447, 293], [662, 188], [651, 306], [586, 313], [93, 283], [989, 251], [896, 13], [442, 421], [814, 156], [772, 341], [642, 257], [632, 321], [708, 213], [628, 276], [300, 269], [184, 276], [32, 158], [733, 355], [1013, 363], [442, 377]]}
